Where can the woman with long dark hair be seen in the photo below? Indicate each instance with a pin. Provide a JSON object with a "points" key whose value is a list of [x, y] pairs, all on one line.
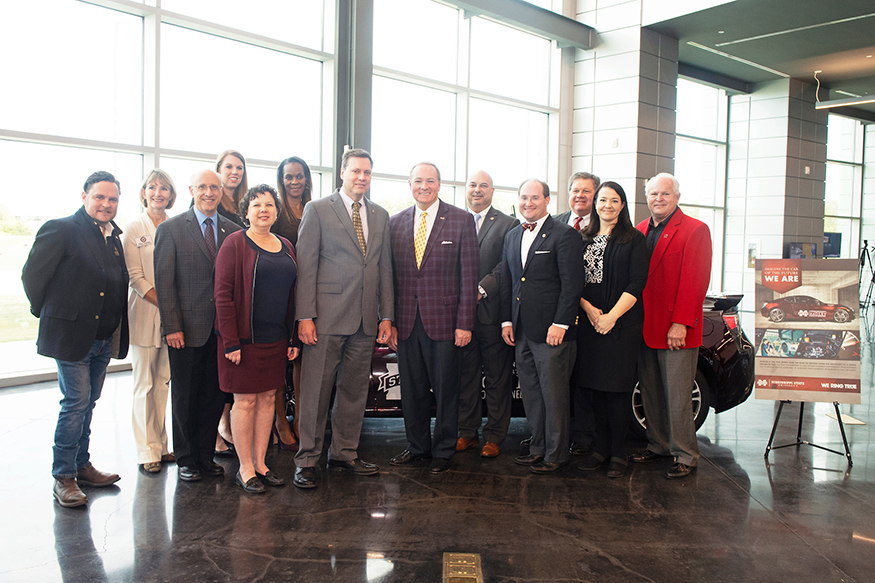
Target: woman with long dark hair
{"points": [[295, 186], [616, 263]]}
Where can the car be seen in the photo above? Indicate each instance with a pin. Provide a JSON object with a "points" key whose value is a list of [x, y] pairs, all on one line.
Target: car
{"points": [[724, 378], [805, 308]]}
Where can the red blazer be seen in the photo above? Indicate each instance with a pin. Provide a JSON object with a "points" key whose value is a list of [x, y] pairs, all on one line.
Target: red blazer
{"points": [[680, 271], [444, 289]]}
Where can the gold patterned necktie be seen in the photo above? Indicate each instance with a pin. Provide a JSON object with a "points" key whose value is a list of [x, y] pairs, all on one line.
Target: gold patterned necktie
{"points": [[420, 239], [357, 225]]}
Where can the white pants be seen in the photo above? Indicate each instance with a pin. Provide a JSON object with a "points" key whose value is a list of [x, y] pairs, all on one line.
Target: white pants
{"points": [[151, 388]]}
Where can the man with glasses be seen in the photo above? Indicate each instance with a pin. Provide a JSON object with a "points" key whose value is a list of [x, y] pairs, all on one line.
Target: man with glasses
{"points": [[185, 259]]}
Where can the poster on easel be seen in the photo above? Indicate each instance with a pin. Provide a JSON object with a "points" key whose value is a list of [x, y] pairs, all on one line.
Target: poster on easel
{"points": [[807, 330]]}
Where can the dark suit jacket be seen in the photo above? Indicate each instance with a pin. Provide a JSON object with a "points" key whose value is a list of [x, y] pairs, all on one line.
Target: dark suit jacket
{"points": [[680, 271], [185, 275], [548, 290], [444, 288], [65, 281], [493, 228]]}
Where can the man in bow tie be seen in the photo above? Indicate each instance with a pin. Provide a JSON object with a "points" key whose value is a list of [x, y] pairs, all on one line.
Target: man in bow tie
{"points": [[541, 285], [435, 262]]}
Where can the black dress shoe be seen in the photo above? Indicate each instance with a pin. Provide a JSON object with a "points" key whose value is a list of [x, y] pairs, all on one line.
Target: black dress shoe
{"points": [[548, 467], [189, 473], [251, 486], [616, 469], [211, 468], [270, 479], [305, 477], [526, 442], [406, 457], [439, 465], [678, 471], [358, 466], [591, 462], [645, 456], [528, 460], [579, 449]]}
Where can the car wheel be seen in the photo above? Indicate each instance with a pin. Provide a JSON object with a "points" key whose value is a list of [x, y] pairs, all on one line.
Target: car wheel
{"points": [[777, 315], [841, 316], [700, 400]]}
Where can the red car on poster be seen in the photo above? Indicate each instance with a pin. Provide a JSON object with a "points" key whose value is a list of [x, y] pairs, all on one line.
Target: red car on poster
{"points": [[805, 308]]}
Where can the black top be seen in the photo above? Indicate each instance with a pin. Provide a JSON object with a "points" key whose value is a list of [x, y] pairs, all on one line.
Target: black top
{"points": [[653, 233], [286, 228], [275, 274]]}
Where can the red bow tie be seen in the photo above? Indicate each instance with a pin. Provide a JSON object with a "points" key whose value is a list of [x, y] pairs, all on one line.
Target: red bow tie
{"points": [[529, 226]]}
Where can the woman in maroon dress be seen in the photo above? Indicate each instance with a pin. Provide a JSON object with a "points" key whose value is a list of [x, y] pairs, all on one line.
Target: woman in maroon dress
{"points": [[255, 320]]}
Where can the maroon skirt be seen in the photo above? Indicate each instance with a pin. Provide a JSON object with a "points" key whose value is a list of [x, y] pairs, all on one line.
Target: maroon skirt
{"points": [[262, 368]]}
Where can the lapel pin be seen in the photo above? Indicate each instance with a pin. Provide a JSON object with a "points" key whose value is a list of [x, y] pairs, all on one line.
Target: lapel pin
{"points": [[543, 234]]}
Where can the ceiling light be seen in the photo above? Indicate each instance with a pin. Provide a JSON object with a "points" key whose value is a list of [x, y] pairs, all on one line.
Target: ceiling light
{"points": [[848, 94], [844, 102], [801, 28], [738, 59]]}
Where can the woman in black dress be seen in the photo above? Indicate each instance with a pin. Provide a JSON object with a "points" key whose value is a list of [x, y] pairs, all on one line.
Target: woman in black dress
{"points": [[616, 262], [295, 186]]}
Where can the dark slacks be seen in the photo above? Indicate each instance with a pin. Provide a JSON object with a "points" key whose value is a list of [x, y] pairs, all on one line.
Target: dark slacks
{"points": [[196, 401], [487, 352], [429, 365], [544, 372], [666, 378], [613, 413]]}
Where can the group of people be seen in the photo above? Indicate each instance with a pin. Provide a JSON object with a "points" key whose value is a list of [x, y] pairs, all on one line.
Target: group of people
{"points": [[226, 296]]}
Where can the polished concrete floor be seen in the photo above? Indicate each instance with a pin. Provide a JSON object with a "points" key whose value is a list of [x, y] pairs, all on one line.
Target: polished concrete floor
{"points": [[803, 515]]}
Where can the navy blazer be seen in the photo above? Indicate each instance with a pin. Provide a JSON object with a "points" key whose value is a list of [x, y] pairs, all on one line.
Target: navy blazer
{"points": [[548, 289], [493, 228], [65, 281]]}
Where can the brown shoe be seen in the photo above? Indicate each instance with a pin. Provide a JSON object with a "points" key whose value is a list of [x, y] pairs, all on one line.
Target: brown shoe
{"points": [[168, 457], [91, 476], [66, 491], [490, 450], [462, 444]]}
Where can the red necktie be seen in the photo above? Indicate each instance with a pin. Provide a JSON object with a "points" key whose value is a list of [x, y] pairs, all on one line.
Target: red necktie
{"points": [[577, 223]]}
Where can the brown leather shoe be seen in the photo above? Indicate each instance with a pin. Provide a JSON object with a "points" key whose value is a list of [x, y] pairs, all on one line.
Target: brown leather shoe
{"points": [[66, 491], [490, 450], [462, 444], [91, 476]]}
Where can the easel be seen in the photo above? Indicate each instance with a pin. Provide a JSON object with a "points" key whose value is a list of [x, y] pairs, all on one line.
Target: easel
{"points": [[864, 256], [800, 441]]}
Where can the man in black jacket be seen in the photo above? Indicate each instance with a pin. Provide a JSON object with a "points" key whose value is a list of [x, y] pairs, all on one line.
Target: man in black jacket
{"points": [[76, 281]]}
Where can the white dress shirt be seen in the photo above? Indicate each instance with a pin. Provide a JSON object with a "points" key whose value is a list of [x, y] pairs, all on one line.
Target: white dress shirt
{"points": [[429, 219]]}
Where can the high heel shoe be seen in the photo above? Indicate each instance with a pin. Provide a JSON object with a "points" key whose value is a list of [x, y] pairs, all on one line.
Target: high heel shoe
{"points": [[283, 445]]}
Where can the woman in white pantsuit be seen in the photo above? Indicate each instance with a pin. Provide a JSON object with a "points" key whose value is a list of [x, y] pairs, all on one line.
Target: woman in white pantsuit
{"points": [[148, 350]]}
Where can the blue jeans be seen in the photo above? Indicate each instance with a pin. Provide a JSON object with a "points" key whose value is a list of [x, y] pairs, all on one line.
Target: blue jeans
{"points": [[81, 382]]}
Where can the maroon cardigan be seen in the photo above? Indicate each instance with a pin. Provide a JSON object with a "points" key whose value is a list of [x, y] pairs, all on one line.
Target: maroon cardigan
{"points": [[235, 269]]}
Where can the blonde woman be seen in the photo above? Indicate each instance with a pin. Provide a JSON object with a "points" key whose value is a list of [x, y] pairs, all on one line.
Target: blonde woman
{"points": [[148, 350]]}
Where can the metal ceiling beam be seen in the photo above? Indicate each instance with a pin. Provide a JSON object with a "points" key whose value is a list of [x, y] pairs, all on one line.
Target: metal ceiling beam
{"points": [[730, 84], [567, 32]]}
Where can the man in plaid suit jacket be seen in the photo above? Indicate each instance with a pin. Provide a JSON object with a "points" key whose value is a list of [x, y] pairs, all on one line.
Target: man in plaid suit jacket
{"points": [[435, 299]]}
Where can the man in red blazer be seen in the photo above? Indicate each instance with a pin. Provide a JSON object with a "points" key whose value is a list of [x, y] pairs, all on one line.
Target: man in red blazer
{"points": [[680, 270], [435, 260]]}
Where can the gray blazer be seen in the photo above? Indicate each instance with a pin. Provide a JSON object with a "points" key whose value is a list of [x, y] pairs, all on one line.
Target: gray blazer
{"points": [[185, 277], [338, 287]]}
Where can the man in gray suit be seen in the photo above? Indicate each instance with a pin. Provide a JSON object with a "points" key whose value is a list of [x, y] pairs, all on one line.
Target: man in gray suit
{"points": [[486, 352], [185, 259], [344, 301]]}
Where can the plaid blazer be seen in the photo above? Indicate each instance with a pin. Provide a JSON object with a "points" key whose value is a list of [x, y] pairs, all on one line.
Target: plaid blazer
{"points": [[444, 288], [185, 276]]}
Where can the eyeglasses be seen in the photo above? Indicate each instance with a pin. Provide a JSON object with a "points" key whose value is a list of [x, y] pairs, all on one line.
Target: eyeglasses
{"points": [[202, 188]]}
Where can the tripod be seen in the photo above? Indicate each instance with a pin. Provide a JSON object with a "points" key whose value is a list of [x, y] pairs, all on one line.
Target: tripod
{"points": [[864, 257]]}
